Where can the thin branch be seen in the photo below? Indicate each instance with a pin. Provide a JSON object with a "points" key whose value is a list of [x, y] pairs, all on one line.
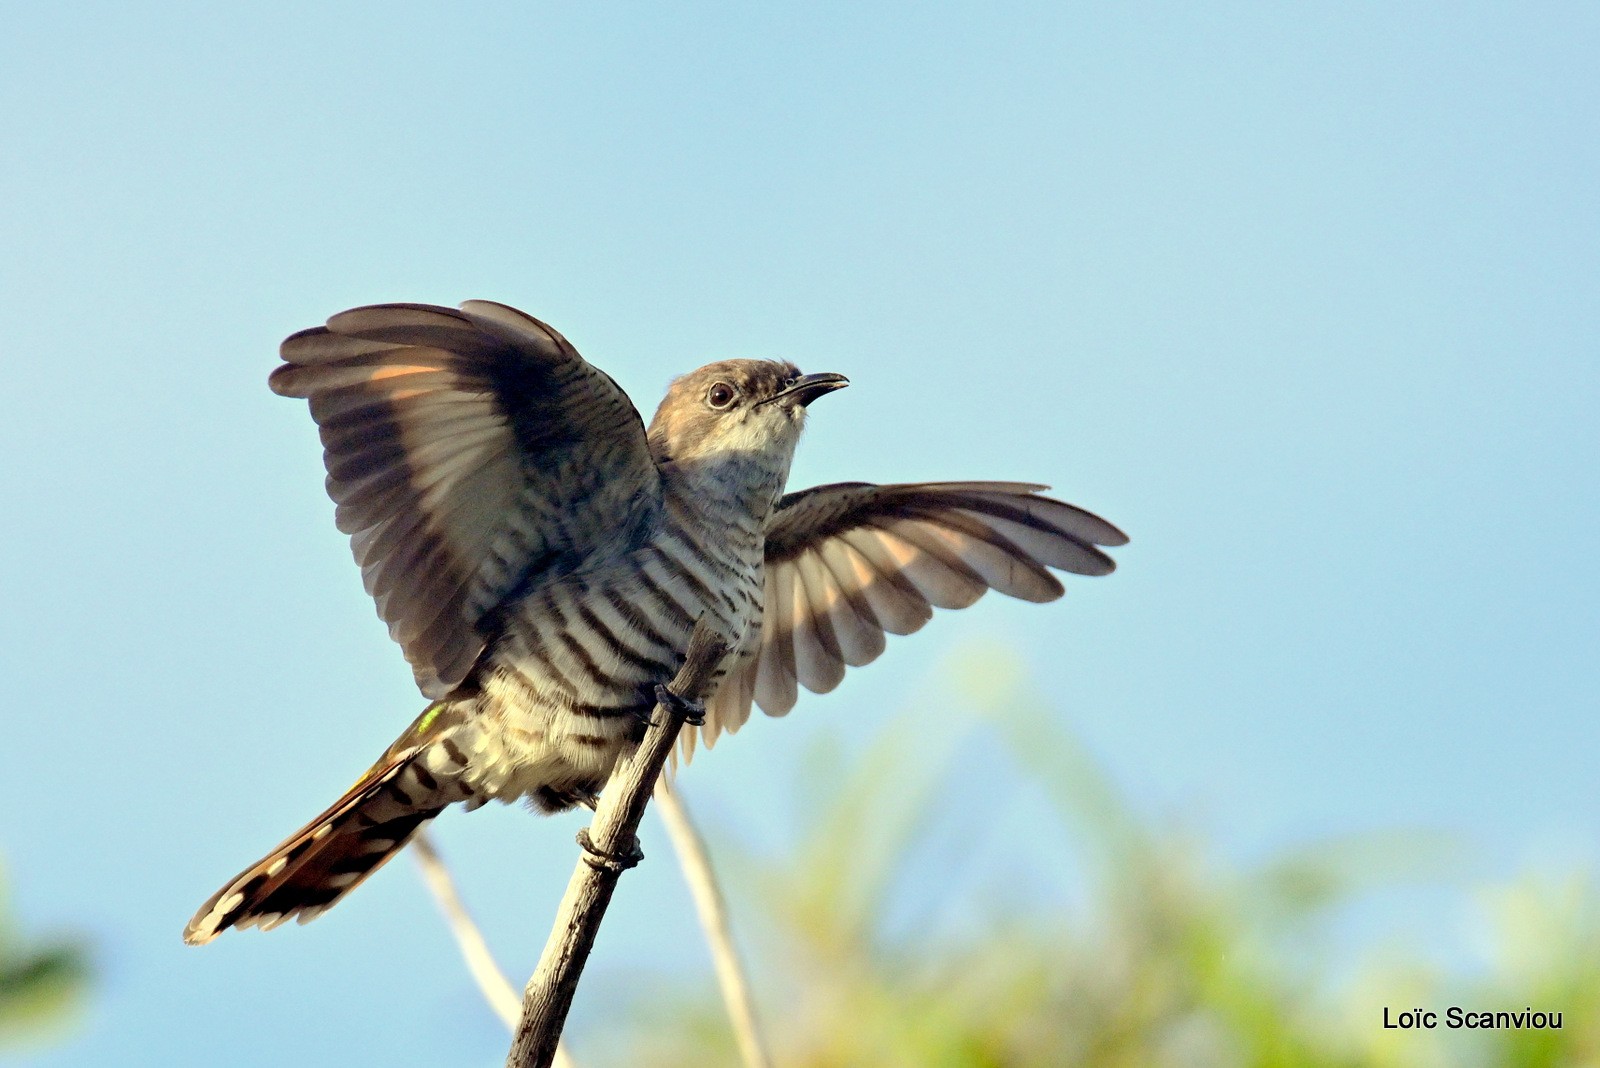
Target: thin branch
{"points": [[610, 847], [496, 988], [713, 912]]}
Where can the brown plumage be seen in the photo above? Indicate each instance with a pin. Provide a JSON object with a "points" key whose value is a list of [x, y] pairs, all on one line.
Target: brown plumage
{"points": [[541, 557]]}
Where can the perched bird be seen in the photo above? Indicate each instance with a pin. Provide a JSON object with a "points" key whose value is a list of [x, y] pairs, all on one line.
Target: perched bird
{"points": [[542, 558]]}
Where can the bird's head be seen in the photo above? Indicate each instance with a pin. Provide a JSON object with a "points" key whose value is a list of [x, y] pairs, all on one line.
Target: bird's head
{"points": [[737, 408]]}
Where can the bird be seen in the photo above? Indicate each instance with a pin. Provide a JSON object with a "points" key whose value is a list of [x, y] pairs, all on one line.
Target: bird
{"points": [[542, 557]]}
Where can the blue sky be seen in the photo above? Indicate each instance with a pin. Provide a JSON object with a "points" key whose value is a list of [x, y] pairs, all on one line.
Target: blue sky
{"points": [[1304, 297]]}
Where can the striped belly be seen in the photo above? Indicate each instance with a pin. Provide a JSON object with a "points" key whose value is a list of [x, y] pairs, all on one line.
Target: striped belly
{"points": [[572, 681]]}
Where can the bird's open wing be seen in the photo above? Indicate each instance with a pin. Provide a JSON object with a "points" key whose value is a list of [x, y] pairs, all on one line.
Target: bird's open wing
{"points": [[470, 453], [848, 562]]}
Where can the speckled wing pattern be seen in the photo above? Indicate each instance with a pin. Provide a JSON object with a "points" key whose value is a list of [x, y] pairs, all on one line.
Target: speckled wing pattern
{"points": [[851, 562], [470, 453]]}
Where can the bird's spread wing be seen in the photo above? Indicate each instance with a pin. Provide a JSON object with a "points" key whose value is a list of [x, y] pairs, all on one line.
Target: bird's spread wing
{"points": [[470, 453], [848, 562]]}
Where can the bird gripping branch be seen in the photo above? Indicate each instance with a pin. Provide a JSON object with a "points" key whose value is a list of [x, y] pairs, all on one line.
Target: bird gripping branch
{"points": [[542, 557]]}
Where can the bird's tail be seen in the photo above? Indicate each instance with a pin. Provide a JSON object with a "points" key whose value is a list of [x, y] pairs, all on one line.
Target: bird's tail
{"points": [[328, 857]]}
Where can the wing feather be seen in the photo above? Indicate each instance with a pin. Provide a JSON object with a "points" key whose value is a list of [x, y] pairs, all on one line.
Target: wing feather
{"points": [[453, 441], [996, 559], [775, 670], [938, 573], [855, 624], [894, 598], [819, 662], [849, 563]]}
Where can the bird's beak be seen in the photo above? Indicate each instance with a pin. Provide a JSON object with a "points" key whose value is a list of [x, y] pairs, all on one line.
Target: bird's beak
{"points": [[808, 388]]}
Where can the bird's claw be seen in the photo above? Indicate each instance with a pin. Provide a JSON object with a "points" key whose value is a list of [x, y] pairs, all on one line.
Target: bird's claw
{"points": [[693, 712], [617, 862]]}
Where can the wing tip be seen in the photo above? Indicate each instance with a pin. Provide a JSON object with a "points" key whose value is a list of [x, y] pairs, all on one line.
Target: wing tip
{"points": [[1109, 535], [498, 318], [282, 381]]}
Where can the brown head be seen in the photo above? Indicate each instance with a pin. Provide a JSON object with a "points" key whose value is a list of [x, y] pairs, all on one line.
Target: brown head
{"points": [[737, 408]]}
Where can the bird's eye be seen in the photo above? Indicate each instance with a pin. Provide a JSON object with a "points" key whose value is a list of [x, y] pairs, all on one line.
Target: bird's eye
{"points": [[720, 395]]}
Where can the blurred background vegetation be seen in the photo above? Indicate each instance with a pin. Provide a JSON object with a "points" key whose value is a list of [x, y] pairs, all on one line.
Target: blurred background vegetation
{"points": [[1154, 952], [869, 947], [41, 986]]}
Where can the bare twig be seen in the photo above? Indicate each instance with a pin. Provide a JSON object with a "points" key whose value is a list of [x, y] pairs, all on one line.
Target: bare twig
{"points": [[497, 989], [713, 911], [610, 846], [492, 982]]}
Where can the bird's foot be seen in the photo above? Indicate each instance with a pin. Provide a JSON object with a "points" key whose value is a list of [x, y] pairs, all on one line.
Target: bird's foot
{"points": [[617, 862], [693, 712]]}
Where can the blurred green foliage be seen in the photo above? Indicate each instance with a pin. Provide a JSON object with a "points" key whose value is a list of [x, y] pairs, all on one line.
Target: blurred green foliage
{"points": [[41, 987], [1164, 957]]}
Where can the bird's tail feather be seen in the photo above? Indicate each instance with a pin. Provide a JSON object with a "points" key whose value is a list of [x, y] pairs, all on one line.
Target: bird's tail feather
{"points": [[328, 857]]}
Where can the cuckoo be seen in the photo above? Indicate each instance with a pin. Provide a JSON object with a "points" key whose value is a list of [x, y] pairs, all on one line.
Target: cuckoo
{"points": [[542, 557]]}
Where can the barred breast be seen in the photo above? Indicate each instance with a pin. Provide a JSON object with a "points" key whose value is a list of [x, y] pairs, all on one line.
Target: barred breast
{"points": [[571, 681]]}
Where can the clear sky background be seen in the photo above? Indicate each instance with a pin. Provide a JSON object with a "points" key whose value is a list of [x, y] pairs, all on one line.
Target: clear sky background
{"points": [[1305, 297]]}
